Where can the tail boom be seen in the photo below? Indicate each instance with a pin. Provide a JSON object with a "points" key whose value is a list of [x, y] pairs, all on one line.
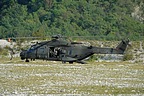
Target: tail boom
{"points": [[120, 49]]}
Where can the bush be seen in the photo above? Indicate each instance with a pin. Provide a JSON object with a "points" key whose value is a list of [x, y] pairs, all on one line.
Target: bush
{"points": [[93, 58], [3, 51], [128, 57]]}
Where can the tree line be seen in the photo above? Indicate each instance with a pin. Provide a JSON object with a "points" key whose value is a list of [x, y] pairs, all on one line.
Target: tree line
{"points": [[105, 19]]}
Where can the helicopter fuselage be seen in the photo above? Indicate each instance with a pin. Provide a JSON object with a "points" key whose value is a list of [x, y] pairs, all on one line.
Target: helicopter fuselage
{"points": [[60, 50], [66, 53]]}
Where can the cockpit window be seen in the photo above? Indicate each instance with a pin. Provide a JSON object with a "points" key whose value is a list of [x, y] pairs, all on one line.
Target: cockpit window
{"points": [[33, 47]]}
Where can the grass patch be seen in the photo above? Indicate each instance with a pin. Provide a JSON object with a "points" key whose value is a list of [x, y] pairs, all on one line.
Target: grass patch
{"points": [[127, 57]]}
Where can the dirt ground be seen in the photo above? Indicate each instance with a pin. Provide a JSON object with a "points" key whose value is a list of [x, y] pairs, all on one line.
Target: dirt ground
{"points": [[18, 78]]}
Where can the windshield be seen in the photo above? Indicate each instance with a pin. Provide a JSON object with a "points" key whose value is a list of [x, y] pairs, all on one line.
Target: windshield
{"points": [[33, 47]]}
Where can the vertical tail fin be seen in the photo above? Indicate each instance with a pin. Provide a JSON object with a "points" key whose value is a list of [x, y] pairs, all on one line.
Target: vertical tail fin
{"points": [[122, 46]]}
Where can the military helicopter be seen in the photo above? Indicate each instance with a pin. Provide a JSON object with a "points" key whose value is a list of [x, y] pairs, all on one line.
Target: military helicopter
{"points": [[59, 49]]}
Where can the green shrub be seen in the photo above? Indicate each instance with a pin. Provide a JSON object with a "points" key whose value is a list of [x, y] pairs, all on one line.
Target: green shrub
{"points": [[128, 56], [93, 58], [3, 51]]}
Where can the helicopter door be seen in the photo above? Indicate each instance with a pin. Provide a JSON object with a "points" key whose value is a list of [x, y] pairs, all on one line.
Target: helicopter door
{"points": [[54, 52], [51, 52]]}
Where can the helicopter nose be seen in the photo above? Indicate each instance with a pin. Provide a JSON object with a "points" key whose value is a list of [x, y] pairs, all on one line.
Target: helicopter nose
{"points": [[23, 54]]}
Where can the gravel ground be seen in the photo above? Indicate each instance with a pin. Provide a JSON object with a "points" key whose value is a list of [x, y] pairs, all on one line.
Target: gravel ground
{"points": [[54, 78]]}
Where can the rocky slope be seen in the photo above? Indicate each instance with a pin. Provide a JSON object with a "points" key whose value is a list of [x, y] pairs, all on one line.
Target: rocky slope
{"points": [[134, 52]]}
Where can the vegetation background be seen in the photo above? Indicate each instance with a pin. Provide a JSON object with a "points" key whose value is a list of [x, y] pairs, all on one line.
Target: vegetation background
{"points": [[105, 19]]}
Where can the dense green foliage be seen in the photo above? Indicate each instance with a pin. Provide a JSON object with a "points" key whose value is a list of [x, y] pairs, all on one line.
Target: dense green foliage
{"points": [[107, 19]]}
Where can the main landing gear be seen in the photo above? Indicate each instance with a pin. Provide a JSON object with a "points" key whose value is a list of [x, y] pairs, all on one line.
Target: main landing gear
{"points": [[26, 60]]}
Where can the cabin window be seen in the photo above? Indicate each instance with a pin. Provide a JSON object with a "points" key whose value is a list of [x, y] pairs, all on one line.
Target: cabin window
{"points": [[70, 52]]}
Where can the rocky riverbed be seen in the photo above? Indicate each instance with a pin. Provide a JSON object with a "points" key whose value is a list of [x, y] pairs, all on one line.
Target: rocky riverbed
{"points": [[18, 78]]}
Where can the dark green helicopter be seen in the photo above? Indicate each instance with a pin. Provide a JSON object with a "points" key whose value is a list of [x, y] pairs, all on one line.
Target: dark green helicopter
{"points": [[59, 49]]}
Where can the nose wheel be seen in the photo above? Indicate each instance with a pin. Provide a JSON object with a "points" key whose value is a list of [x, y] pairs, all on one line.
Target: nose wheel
{"points": [[26, 60]]}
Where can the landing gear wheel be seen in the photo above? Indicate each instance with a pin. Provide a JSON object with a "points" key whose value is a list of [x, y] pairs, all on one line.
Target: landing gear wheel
{"points": [[27, 60], [71, 62], [32, 59]]}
